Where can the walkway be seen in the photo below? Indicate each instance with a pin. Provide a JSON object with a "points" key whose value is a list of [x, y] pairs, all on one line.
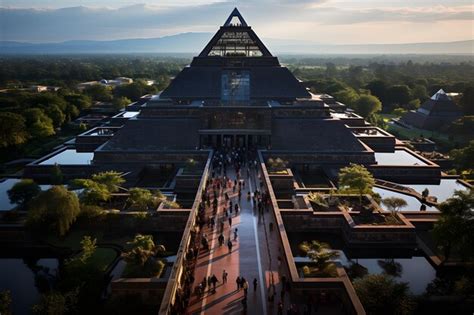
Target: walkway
{"points": [[250, 258]]}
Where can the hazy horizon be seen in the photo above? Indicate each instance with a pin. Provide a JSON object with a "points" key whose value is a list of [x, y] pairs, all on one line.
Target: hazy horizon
{"points": [[328, 22]]}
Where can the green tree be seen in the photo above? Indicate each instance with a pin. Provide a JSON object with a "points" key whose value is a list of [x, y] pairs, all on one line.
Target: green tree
{"points": [[39, 124], [142, 248], [120, 102], [5, 302], [56, 303], [23, 192], [356, 178], [367, 105], [398, 94], [111, 179], [467, 100], [99, 92], [463, 158], [347, 96], [322, 257], [13, 130], [381, 294], [419, 92], [142, 198], [54, 210], [93, 192], [378, 88], [56, 175], [88, 245], [56, 114], [80, 101], [454, 230], [394, 204]]}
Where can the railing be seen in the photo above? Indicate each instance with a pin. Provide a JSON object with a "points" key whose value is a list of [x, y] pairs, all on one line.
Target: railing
{"points": [[174, 281]]}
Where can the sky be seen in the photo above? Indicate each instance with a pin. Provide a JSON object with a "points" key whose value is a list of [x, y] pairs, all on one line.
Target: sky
{"points": [[317, 21]]}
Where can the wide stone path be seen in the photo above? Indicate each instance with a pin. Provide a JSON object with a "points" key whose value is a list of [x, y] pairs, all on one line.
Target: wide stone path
{"points": [[250, 258]]}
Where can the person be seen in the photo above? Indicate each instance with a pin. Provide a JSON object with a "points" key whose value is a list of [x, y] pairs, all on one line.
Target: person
{"points": [[236, 208], [271, 293], [280, 308], [244, 304], [235, 234], [221, 239], [214, 282], [245, 286], [224, 276], [255, 282], [229, 245], [230, 221], [238, 281]]}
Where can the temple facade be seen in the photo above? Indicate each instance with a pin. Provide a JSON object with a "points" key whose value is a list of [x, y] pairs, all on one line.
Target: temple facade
{"points": [[235, 93]]}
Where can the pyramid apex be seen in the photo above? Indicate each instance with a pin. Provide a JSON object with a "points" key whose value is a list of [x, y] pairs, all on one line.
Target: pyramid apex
{"points": [[235, 14], [440, 96]]}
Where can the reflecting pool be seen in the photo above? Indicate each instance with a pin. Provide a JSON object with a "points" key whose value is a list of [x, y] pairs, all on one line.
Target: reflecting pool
{"points": [[399, 157], [20, 276], [70, 157], [413, 204]]}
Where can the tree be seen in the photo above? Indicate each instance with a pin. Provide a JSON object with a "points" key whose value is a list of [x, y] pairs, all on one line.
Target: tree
{"points": [[394, 204], [88, 246], [120, 102], [81, 101], [111, 179], [356, 177], [56, 175], [398, 94], [99, 92], [367, 105], [347, 96], [419, 92], [39, 124], [321, 255], [140, 197], [454, 231], [381, 294], [463, 157], [378, 88], [56, 115], [54, 210], [93, 192], [142, 248], [23, 192], [56, 303], [13, 130], [467, 100], [5, 302]]}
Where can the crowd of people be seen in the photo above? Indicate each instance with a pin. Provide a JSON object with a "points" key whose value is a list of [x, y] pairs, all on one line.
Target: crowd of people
{"points": [[220, 205]]}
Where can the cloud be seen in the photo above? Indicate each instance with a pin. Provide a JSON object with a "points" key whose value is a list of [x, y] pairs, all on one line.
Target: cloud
{"points": [[270, 16]]}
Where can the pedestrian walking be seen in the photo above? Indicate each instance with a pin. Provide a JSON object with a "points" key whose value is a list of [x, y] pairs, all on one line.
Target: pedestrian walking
{"points": [[229, 245], [245, 286], [230, 221], [224, 276], [255, 282], [214, 282], [235, 234], [221, 239], [238, 282]]}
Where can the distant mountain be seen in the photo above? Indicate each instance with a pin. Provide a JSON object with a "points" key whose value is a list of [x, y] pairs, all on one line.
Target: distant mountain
{"points": [[194, 42]]}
